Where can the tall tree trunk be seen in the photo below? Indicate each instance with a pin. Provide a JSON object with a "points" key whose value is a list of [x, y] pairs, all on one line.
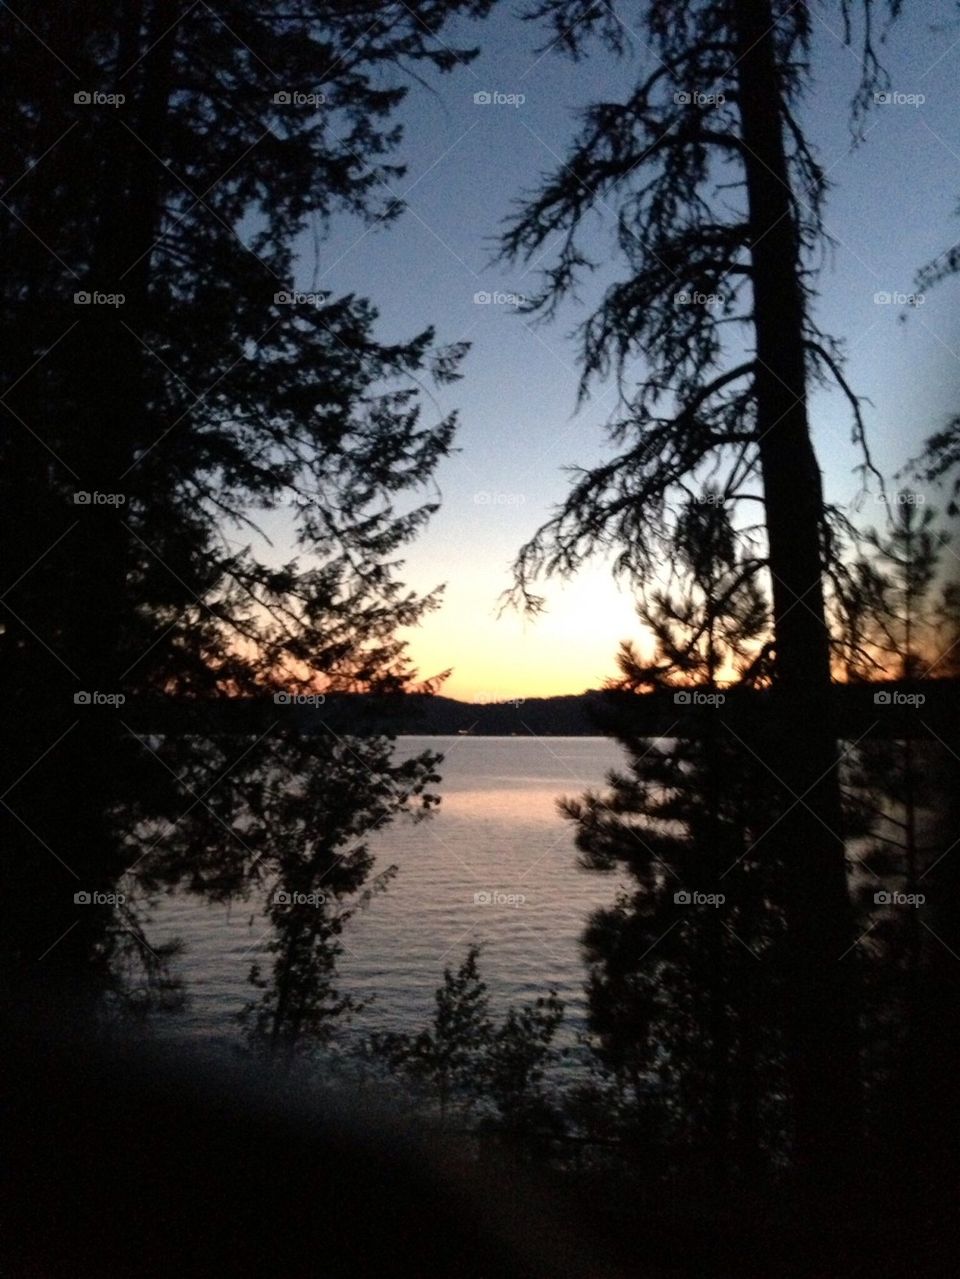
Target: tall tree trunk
{"points": [[718, 1012], [804, 749]]}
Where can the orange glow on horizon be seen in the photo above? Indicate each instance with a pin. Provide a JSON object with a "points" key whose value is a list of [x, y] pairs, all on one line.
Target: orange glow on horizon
{"points": [[568, 649]]}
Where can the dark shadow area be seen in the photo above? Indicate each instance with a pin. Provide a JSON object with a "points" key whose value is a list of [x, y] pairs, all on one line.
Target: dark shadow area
{"points": [[121, 1160], [209, 481]]}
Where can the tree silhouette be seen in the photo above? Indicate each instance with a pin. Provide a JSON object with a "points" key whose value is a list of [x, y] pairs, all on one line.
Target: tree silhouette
{"points": [[686, 970], [718, 197], [941, 455], [316, 858], [906, 883], [443, 1057], [462, 1058], [165, 387]]}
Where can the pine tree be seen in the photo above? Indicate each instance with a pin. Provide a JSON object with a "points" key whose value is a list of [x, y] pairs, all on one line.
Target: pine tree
{"points": [[711, 277], [463, 1060], [164, 388], [898, 780], [443, 1058], [686, 969]]}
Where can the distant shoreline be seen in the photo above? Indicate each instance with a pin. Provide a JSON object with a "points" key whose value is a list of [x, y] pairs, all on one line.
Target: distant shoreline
{"points": [[919, 708]]}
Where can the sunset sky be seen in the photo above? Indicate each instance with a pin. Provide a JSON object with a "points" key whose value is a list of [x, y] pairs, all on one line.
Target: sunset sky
{"points": [[891, 209]]}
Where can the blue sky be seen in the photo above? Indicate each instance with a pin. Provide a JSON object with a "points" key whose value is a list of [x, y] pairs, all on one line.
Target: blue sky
{"points": [[891, 209]]}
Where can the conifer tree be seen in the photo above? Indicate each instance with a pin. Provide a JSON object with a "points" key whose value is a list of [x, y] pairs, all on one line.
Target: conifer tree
{"points": [[717, 197], [686, 969], [165, 388]]}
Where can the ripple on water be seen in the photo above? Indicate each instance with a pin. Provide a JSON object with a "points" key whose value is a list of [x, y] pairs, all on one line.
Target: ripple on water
{"points": [[496, 865]]}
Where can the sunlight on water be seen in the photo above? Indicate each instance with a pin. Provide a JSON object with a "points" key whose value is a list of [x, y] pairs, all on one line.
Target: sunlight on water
{"points": [[496, 865]]}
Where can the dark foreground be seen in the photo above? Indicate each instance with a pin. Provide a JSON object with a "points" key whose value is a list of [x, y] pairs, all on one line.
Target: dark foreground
{"points": [[121, 1160]]}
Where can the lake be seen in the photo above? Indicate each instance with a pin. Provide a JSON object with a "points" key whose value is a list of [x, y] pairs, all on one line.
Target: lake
{"points": [[495, 865]]}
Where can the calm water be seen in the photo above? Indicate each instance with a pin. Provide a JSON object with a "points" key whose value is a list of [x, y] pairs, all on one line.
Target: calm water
{"points": [[497, 834]]}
